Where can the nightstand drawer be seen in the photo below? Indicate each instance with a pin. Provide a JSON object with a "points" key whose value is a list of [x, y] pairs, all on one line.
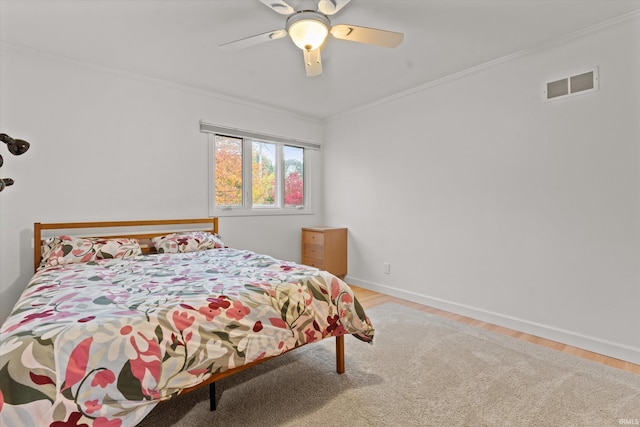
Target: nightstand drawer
{"points": [[312, 250], [313, 238], [313, 262]]}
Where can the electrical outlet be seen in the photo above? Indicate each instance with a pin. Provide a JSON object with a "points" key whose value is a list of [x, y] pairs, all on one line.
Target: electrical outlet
{"points": [[387, 268]]}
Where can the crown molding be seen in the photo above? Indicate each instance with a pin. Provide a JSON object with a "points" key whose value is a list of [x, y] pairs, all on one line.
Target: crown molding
{"points": [[40, 54], [475, 69]]}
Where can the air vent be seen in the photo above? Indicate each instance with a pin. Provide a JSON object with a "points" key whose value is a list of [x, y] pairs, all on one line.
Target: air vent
{"points": [[577, 84], [558, 88]]}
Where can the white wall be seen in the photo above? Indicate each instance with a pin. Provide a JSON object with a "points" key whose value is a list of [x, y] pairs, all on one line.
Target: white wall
{"points": [[108, 146], [489, 202]]}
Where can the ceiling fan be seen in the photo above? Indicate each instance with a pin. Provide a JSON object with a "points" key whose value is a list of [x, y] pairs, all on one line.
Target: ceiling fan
{"points": [[308, 24]]}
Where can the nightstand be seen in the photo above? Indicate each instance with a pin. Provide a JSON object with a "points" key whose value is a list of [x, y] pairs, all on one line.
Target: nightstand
{"points": [[325, 248]]}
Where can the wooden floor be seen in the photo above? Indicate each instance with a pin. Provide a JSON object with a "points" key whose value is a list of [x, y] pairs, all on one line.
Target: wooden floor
{"points": [[371, 298]]}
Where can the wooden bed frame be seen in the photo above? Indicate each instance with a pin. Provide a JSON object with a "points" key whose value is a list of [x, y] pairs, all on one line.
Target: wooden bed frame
{"points": [[140, 230], [144, 231]]}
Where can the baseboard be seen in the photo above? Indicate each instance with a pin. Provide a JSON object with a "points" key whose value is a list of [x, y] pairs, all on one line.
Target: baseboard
{"points": [[596, 345]]}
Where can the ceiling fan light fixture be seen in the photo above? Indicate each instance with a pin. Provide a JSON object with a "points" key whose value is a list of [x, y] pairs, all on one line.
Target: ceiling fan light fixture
{"points": [[308, 30]]}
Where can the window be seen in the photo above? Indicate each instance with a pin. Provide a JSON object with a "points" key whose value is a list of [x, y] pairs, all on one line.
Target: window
{"points": [[228, 178], [254, 174], [263, 175], [293, 176]]}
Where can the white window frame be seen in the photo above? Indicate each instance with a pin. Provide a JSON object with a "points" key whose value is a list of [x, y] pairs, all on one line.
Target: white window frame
{"points": [[247, 209]]}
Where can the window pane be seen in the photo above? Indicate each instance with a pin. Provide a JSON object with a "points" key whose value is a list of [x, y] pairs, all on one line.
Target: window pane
{"points": [[263, 172], [228, 164], [293, 176]]}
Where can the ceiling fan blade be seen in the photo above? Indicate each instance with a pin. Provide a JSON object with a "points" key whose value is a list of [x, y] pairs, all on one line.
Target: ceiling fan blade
{"points": [[279, 6], [331, 7], [312, 62], [254, 40], [373, 36]]}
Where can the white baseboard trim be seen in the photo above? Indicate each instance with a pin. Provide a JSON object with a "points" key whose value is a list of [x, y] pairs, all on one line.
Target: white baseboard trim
{"points": [[596, 345]]}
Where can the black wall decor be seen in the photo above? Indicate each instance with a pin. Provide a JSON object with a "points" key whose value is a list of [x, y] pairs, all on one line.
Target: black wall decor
{"points": [[16, 147]]}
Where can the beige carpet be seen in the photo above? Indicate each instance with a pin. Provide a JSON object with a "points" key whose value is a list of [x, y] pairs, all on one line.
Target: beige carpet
{"points": [[422, 370]]}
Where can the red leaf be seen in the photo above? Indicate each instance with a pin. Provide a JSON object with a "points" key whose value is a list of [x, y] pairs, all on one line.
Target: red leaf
{"points": [[41, 379], [77, 366], [335, 288], [278, 322]]}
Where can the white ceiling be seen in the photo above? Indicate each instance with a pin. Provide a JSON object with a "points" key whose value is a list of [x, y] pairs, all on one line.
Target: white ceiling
{"points": [[177, 41]]}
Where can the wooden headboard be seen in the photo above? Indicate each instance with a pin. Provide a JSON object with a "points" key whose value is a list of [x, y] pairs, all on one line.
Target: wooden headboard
{"points": [[143, 230]]}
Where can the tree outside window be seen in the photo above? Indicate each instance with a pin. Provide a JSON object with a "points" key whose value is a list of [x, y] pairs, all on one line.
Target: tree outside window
{"points": [[269, 175]]}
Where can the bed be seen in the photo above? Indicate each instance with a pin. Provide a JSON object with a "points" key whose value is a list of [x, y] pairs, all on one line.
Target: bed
{"points": [[142, 311]]}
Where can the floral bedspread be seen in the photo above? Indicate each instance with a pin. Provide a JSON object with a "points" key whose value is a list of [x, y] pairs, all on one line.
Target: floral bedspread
{"points": [[101, 343]]}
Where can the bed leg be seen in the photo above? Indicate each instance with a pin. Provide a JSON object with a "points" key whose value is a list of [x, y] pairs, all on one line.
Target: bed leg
{"points": [[212, 396], [340, 354]]}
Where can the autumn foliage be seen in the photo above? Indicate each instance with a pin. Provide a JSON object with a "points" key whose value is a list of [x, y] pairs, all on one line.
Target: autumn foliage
{"points": [[293, 189], [228, 175]]}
